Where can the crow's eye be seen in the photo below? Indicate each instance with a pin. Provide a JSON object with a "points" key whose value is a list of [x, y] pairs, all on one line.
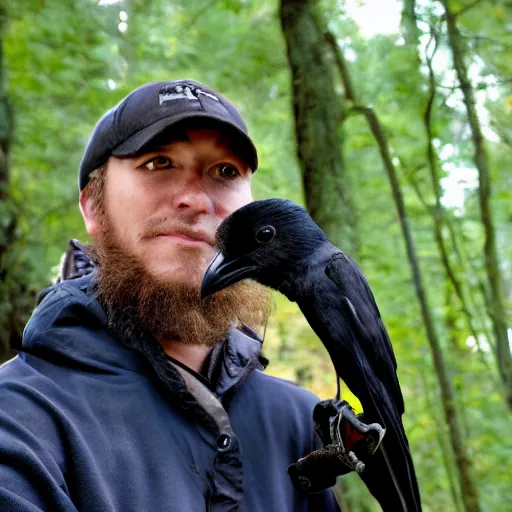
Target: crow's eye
{"points": [[265, 234]]}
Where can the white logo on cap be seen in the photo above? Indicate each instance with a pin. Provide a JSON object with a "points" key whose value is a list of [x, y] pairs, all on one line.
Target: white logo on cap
{"points": [[179, 92]]}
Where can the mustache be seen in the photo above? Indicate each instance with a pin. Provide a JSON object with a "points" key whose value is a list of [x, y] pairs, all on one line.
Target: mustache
{"points": [[158, 226]]}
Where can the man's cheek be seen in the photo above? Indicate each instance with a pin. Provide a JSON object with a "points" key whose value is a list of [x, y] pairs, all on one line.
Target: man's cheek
{"points": [[243, 198]]}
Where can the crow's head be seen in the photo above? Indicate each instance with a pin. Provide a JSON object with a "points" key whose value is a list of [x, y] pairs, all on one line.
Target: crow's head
{"points": [[264, 240]]}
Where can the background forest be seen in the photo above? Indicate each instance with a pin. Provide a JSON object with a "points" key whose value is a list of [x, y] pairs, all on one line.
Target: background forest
{"points": [[390, 121]]}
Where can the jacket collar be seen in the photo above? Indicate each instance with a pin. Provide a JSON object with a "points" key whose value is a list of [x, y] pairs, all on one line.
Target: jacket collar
{"points": [[69, 323]]}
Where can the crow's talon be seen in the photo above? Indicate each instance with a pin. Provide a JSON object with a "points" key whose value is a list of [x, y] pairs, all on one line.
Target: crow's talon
{"points": [[348, 458], [337, 425], [346, 439], [354, 431]]}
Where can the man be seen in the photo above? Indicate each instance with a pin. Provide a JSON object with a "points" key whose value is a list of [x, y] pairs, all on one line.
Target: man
{"points": [[131, 393]]}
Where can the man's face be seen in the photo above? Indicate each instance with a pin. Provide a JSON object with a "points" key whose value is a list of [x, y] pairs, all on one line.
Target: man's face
{"points": [[164, 206]]}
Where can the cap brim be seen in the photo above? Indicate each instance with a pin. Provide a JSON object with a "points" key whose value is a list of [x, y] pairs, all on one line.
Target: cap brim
{"points": [[142, 138]]}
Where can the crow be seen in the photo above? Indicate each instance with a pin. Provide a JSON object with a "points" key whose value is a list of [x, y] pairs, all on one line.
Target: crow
{"points": [[277, 243]]}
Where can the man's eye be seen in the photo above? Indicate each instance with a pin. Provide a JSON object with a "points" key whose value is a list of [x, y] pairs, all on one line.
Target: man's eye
{"points": [[228, 171], [159, 162]]}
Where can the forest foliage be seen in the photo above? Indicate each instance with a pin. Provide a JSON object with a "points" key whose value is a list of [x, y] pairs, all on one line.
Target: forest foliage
{"points": [[64, 63]]}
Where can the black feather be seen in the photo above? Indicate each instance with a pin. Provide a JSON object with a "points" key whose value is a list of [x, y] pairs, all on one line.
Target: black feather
{"points": [[337, 301]]}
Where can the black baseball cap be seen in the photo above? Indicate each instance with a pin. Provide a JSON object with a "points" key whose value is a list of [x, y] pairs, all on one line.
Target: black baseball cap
{"points": [[149, 110]]}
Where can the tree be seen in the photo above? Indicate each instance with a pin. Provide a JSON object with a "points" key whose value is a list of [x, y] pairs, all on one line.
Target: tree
{"points": [[318, 109], [496, 290], [8, 219], [318, 113], [69, 62]]}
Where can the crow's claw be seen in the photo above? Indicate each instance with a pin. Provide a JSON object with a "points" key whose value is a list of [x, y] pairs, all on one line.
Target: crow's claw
{"points": [[346, 438], [348, 431]]}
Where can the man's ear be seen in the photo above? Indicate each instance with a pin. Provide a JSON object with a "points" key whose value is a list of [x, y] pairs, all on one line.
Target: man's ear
{"points": [[87, 210]]}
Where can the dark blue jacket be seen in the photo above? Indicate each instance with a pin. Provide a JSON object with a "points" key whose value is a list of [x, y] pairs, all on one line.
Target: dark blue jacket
{"points": [[90, 423]]}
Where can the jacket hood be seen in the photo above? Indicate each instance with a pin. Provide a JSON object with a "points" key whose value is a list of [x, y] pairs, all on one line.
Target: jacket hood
{"points": [[70, 328]]}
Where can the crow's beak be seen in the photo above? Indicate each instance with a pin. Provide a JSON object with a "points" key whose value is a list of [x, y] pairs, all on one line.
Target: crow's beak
{"points": [[221, 273]]}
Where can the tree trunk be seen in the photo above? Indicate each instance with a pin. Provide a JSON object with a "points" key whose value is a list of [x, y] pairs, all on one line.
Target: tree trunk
{"points": [[439, 213], [444, 449], [463, 463], [5, 137], [317, 108], [409, 27], [7, 216], [318, 119], [497, 301]]}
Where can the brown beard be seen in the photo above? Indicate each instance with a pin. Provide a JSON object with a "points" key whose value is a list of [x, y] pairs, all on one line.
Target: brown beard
{"points": [[138, 304]]}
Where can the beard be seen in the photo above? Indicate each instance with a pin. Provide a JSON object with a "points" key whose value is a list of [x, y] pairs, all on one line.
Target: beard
{"points": [[138, 304]]}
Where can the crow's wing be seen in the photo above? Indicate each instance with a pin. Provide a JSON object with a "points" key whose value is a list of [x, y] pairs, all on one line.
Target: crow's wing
{"points": [[362, 310], [380, 394]]}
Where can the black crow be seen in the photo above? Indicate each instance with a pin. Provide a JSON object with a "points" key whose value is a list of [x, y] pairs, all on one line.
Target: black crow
{"points": [[277, 243]]}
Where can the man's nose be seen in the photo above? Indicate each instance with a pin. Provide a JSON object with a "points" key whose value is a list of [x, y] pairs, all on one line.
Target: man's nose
{"points": [[191, 196]]}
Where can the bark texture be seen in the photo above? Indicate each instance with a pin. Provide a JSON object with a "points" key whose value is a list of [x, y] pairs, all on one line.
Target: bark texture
{"points": [[317, 109]]}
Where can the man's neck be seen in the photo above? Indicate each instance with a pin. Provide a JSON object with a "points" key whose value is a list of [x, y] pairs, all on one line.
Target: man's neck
{"points": [[192, 356]]}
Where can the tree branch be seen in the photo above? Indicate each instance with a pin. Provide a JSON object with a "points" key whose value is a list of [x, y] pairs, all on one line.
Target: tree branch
{"points": [[439, 213], [494, 276], [467, 8], [451, 413]]}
